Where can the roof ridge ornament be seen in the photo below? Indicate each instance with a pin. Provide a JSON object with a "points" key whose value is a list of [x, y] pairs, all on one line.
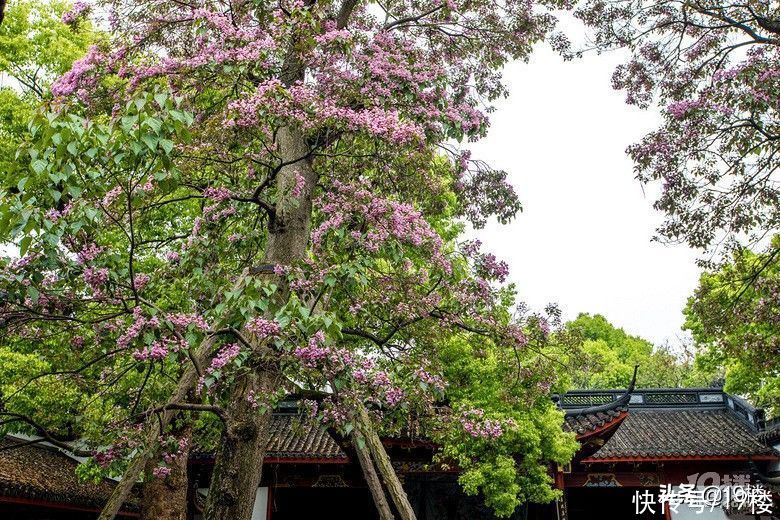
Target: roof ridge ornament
{"points": [[623, 400]]}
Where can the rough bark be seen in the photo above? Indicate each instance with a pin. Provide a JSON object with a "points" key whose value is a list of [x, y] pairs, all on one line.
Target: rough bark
{"points": [[157, 423], [385, 467], [369, 472], [166, 499], [239, 461]]}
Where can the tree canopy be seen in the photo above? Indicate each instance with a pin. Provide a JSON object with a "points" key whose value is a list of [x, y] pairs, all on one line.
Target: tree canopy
{"points": [[713, 67], [610, 355]]}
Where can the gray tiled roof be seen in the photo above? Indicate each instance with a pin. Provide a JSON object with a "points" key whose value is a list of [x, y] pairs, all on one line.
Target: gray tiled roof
{"points": [[44, 473], [584, 423], [682, 433], [292, 437]]}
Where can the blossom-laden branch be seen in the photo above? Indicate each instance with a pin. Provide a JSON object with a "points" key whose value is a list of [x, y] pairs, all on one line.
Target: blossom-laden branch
{"points": [[714, 67]]}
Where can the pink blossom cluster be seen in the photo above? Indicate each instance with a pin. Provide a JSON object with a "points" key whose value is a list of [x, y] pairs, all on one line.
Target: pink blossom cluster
{"points": [[263, 328], [379, 383], [106, 457], [96, 278], [224, 42], [317, 354], [184, 320], [516, 332], [55, 215], [156, 351], [300, 183], [387, 220], [475, 424], [77, 10], [111, 195], [161, 472], [333, 413], [394, 396], [219, 194], [361, 374], [432, 380], [179, 445], [140, 281], [225, 355], [314, 352], [139, 324], [211, 213], [491, 268], [88, 253], [78, 79], [253, 400], [21, 263], [311, 407]]}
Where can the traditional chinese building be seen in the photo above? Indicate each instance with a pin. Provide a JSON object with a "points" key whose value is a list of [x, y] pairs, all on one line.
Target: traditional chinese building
{"points": [[632, 442]]}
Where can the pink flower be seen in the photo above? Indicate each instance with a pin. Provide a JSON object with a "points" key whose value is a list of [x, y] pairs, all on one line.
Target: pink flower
{"points": [[263, 328], [161, 472], [226, 354], [78, 10]]}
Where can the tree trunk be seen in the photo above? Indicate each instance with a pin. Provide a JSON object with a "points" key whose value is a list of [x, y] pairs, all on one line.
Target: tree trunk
{"points": [[238, 466], [369, 472], [166, 498], [239, 462], [155, 425], [385, 467]]}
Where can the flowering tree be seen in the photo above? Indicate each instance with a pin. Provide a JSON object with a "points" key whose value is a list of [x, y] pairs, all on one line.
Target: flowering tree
{"points": [[715, 68], [234, 201]]}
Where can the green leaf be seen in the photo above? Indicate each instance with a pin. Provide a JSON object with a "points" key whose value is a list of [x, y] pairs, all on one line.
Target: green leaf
{"points": [[150, 141], [33, 293], [167, 145], [39, 165], [24, 245], [161, 98], [153, 123]]}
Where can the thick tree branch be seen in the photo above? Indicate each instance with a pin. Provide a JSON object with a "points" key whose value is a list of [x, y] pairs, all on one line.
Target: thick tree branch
{"points": [[47, 436]]}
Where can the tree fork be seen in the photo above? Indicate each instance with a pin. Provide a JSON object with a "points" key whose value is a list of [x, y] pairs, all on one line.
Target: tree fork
{"points": [[370, 474], [385, 467], [155, 426], [166, 498], [239, 462], [157, 423]]}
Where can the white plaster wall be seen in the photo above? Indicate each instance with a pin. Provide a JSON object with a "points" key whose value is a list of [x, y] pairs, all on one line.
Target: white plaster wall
{"points": [[260, 511]]}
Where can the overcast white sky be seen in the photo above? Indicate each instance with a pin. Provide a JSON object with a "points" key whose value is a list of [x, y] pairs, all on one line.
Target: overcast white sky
{"points": [[584, 237]]}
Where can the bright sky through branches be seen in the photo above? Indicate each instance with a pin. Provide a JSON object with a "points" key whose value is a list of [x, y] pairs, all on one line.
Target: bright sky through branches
{"points": [[584, 238]]}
